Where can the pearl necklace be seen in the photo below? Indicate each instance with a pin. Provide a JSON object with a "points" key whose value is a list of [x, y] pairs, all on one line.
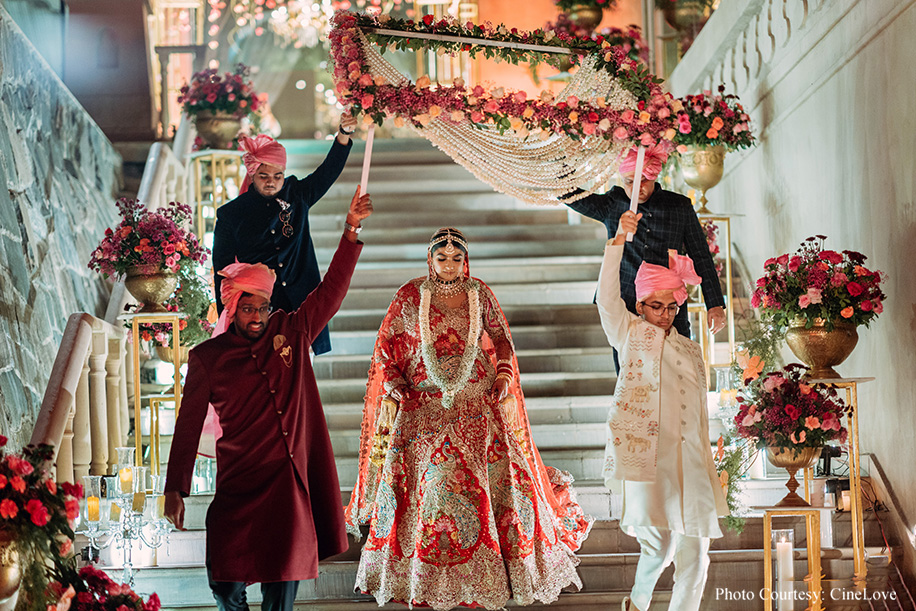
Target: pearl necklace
{"points": [[450, 288], [449, 388]]}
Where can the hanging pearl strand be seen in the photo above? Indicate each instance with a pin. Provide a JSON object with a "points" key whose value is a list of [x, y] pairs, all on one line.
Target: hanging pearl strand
{"points": [[532, 170]]}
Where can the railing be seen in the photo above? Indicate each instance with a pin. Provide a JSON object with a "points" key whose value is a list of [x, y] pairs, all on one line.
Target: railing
{"points": [[84, 410], [84, 413]]}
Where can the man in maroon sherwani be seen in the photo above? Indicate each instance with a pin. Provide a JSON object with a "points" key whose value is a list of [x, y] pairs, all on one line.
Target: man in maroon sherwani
{"points": [[276, 511]]}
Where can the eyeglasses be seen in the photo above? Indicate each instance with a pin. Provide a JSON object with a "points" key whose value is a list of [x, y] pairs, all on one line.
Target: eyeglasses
{"points": [[659, 309], [248, 310]]}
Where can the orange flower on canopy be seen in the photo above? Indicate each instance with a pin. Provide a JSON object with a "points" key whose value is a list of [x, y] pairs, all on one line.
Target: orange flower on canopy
{"points": [[712, 133]]}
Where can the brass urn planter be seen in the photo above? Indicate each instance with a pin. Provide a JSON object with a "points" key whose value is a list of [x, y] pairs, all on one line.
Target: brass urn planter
{"points": [[819, 348], [702, 168], [685, 14], [587, 17], [10, 570], [217, 129], [165, 354], [792, 459], [150, 285]]}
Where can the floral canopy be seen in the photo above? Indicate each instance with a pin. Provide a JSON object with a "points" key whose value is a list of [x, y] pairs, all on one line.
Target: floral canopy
{"points": [[536, 149]]}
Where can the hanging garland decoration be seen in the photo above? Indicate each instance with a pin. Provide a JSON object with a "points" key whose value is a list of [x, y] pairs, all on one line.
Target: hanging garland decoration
{"points": [[537, 149]]}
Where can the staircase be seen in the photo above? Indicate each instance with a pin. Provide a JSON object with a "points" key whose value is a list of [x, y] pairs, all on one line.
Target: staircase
{"points": [[543, 269]]}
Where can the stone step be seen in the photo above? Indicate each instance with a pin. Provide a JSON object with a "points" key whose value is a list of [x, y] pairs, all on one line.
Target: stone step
{"points": [[361, 319], [581, 435], [386, 217], [731, 572], [497, 249], [414, 233], [524, 337], [546, 360], [551, 384], [541, 410], [391, 275]]}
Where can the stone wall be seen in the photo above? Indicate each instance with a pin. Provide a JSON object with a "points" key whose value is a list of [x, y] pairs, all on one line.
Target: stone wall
{"points": [[830, 89], [60, 173]]}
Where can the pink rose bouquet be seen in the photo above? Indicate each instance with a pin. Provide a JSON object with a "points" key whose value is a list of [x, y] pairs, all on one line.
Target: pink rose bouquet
{"points": [[814, 283], [711, 120], [148, 238], [89, 589], [780, 409], [230, 92]]}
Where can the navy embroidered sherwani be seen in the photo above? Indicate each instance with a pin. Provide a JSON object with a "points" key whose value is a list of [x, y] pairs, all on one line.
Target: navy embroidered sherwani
{"points": [[249, 228]]}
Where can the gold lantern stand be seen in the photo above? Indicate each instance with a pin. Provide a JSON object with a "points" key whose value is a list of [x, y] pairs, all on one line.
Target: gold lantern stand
{"points": [[812, 517], [173, 319], [851, 386], [216, 177]]}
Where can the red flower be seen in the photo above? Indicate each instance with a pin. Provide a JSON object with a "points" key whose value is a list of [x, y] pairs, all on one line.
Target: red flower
{"points": [[3, 481], [52, 486], [428, 19], [74, 490], [3, 441], [831, 256], [8, 509], [855, 289], [792, 412], [794, 264], [38, 512], [18, 484], [73, 508]]}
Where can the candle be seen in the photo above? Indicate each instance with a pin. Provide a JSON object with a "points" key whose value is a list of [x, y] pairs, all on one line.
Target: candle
{"points": [[138, 502], [126, 475], [160, 506], [785, 570], [367, 156], [92, 508], [637, 182], [115, 512]]}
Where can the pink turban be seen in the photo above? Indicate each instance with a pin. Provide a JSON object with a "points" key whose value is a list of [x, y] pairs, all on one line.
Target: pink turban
{"points": [[261, 149], [238, 278], [651, 278], [656, 156]]}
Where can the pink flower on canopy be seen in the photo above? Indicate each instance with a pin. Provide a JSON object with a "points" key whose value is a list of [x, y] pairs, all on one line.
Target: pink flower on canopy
{"points": [[367, 100], [627, 116], [476, 116], [812, 422], [491, 106], [800, 439], [839, 279], [804, 301], [366, 80], [782, 260], [520, 96], [751, 418], [684, 127], [573, 101], [814, 295], [793, 412], [879, 307], [621, 133], [646, 139], [589, 128]]}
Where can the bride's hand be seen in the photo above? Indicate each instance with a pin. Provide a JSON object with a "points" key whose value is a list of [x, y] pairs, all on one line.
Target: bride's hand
{"points": [[397, 394], [500, 389]]}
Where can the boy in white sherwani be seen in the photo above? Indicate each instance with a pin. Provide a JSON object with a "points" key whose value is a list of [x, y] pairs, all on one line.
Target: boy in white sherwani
{"points": [[658, 453]]}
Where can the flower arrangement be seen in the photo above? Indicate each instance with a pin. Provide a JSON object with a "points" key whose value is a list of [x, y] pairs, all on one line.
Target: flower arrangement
{"points": [[148, 238], [629, 39], [570, 5], [89, 589], [192, 297], [230, 93], [712, 239], [780, 409], [711, 120], [38, 515], [643, 114], [815, 283]]}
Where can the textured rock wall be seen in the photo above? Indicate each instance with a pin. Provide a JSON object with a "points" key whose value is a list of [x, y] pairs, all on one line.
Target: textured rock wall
{"points": [[59, 174]]}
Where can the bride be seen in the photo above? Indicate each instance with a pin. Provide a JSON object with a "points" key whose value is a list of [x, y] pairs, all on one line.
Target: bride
{"points": [[460, 508]]}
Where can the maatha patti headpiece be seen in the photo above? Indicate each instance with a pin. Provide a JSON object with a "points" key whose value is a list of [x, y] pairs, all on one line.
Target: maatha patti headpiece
{"points": [[451, 237]]}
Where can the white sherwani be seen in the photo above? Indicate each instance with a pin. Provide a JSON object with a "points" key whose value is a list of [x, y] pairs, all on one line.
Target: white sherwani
{"points": [[662, 381]]}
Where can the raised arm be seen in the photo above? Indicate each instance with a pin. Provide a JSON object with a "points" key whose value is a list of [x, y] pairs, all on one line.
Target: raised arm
{"points": [[594, 206], [313, 187], [615, 318]]}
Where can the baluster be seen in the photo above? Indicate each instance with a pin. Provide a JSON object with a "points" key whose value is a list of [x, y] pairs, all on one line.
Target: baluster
{"points": [[82, 449], [98, 402], [742, 61], [797, 14], [114, 365], [65, 452], [782, 29], [767, 44]]}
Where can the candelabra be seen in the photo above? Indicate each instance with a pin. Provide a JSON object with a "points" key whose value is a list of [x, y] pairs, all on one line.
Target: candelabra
{"points": [[124, 513]]}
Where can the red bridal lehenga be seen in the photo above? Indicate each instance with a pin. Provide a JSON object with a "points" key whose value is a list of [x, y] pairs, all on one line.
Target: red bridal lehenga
{"points": [[460, 508]]}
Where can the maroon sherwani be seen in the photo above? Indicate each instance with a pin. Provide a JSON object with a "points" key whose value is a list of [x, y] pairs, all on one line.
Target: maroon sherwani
{"points": [[277, 508]]}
